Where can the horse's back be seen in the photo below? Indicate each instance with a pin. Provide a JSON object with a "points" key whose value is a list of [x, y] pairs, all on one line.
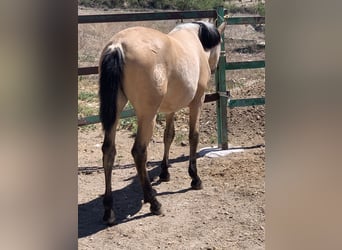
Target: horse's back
{"points": [[142, 45], [146, 58]]}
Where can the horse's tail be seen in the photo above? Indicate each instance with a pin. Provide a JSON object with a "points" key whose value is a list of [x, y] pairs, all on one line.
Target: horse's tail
{"points": [[111, 77]]}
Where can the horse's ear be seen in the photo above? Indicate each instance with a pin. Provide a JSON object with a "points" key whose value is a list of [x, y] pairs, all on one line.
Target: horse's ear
{"points": [[221, 27]]}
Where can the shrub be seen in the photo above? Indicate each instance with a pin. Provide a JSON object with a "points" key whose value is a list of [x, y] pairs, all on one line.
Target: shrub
{"points": [[154, 4]]}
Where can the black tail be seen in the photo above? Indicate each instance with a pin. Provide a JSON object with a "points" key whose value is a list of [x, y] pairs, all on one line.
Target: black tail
{"points": [[111, 77]]}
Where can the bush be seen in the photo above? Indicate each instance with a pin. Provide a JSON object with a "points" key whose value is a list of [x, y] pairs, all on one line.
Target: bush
{"points": [[260, 9], [153, 4], [196, 4]]}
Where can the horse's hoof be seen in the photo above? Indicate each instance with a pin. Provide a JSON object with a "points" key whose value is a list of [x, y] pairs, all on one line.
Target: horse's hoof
{"points": [[156, 208], [196, 184], [109, 217], [148, 198], [164, 177]]}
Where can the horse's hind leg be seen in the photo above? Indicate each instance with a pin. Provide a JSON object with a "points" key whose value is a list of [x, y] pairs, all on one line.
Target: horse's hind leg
{"points": [[109, 152], [169, 134], [195, 109], [139, 152]]}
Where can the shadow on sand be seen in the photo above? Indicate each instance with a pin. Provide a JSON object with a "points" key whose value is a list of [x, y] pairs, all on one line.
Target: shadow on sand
{"points": [[126, 201]]}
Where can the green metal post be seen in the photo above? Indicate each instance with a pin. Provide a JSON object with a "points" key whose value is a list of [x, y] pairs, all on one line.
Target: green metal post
{"points": [[220, 82]]}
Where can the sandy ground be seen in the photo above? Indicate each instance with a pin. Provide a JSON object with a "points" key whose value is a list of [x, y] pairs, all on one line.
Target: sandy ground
{"points": [[228, 213]]}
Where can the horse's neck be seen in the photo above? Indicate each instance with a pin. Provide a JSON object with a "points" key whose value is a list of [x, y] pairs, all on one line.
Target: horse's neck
{"points": [[185, 39]]}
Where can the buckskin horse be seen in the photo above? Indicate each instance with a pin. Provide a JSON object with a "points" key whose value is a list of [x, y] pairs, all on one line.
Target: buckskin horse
{"points": [[156, 72]]}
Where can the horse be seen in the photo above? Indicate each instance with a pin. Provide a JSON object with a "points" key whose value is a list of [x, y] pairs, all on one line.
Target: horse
{"points": [[156, 72]]}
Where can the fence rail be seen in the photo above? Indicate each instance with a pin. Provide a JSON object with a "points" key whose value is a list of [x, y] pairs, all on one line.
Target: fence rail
{"points": [[245, 65], [167, 15], [147, 16], [221, 96]]}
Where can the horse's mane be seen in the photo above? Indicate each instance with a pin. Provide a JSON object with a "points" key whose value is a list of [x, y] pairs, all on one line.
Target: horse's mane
{"points": [[208, 35]]}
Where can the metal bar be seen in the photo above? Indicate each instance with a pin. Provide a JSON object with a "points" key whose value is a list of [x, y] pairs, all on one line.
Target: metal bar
{"points": [[214, 96], [218, 117], [220, 80], [169, 15], [211, 97], [96, 119], [245, 20], [232, 103], [245, 65], [127, 113], [88, 120], [146, 16], [88, 70]]}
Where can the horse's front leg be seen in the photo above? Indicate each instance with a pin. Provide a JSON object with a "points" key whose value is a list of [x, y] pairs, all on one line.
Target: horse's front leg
{"points": [[195, 110], [169, 134]]}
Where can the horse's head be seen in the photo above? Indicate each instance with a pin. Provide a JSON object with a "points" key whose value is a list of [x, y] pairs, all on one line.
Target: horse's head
{"points": [[210, 37]]}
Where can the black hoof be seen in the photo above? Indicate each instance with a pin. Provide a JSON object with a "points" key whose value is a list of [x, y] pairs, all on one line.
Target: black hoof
{"points": [[156, 208], [164, 177], [196, 184], [148, 198], [109, 217]]}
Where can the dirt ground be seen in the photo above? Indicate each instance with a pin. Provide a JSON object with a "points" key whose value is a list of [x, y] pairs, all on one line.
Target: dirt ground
{"points": [[228, 213]]}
